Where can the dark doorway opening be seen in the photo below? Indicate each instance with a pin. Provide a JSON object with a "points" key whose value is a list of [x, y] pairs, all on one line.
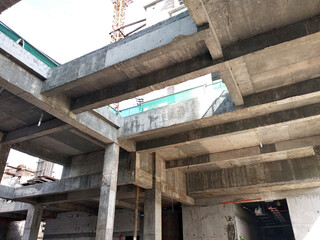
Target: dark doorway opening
{"points": [[272, 218]]}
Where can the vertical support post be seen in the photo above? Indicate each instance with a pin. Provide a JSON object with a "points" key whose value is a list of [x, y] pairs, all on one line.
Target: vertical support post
{"points": [[136, 215], [33, 220], [4, 153], [44, 168], [233, 88], [108, 191], [152, 229]]}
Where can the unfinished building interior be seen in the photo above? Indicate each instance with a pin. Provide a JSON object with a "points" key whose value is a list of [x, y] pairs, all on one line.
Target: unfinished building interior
{"points": [[240, 164]]}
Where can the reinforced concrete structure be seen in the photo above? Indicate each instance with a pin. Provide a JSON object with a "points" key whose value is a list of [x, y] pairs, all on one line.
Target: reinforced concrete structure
{"points": [[247, 162]]}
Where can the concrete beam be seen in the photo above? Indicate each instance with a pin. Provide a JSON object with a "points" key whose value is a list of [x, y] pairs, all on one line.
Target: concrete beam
{"points": [[101, 97], [30, 132], [74, 73], [108, 116], [84, 187], [172, 192], [32, 224], [213, 43], [71, 207], [142, 85], [167, 119], [259, 122], [196, 11], [69, 197], [6, 192], [127, 144], [228, 78], [143, 179], [108, 191], [286, 92], [271, 38], [23, 57], [286, 174], [14, 207], [238, 157], [65, 185], [12, 78], [258, 196]]}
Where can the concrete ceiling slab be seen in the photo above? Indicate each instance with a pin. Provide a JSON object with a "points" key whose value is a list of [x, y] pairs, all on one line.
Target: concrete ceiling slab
{"points": [[16, 113]]}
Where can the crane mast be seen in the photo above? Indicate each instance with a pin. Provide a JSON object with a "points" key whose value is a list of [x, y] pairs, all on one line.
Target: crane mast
{"points": [[119, 13]]}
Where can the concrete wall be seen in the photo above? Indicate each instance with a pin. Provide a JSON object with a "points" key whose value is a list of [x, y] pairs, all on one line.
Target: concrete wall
{"points": [[218, 222], [71, 225], [93, 163], [213, 102], [210, 222], [85, 164], [124, 224], [305, 216], [80, 225]]}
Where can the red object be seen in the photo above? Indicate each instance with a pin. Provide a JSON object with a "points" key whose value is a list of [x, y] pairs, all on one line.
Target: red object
{"points": [[120, 236], [238, 201]]}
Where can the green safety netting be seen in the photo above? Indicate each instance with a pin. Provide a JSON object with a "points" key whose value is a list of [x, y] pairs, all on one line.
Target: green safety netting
{"points": [[35, 52], [167, 100]]}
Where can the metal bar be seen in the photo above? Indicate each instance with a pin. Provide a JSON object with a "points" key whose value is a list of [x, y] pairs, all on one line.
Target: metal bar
{"points": [[128, 25], [135, 30], [136, 215]]}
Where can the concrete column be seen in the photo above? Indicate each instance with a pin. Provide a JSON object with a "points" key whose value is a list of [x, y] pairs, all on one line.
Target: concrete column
{"points": [[304, 212], [152, 229], [66, 169], [44, 168], [108, 193], [4, 153], [31, 227]]}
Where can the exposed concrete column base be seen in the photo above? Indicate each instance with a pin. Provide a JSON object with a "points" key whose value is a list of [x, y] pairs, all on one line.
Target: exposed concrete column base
{"points": [[108, 191], [152, 229], [31, 227], [4, 153]]}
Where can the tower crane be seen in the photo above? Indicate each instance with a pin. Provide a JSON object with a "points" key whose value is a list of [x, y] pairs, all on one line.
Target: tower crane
{"points": [[119, 13]]}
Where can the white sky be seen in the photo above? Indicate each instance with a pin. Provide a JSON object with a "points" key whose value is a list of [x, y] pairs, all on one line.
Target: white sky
{"points": [[64, 30]]}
